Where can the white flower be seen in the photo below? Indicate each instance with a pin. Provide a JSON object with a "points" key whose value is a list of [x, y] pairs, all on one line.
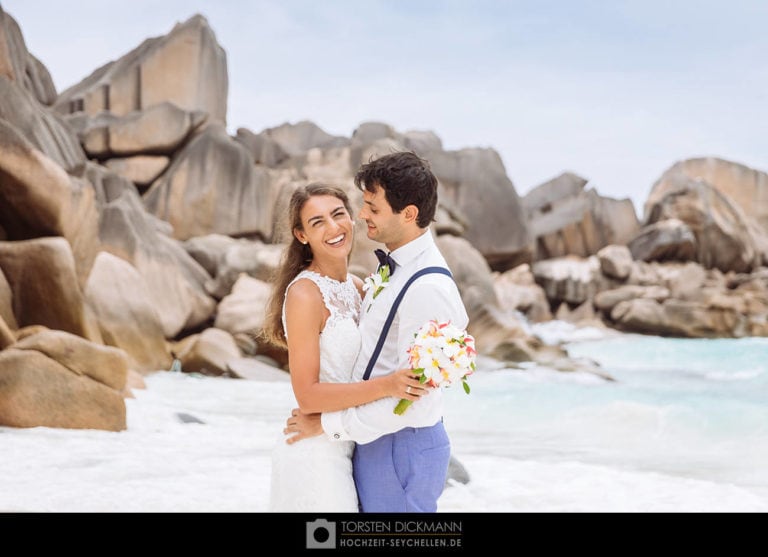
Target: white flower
{"points": [[377, 281]]}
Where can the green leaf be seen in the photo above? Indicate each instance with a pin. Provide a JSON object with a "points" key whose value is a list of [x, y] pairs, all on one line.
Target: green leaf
{"points": [[466, 386]]}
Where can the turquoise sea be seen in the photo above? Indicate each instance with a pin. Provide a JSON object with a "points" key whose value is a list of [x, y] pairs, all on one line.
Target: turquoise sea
{"points": [[683, 426]]}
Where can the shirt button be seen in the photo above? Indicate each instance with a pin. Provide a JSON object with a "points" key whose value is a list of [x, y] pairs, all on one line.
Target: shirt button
{"points": [[337, 436]]}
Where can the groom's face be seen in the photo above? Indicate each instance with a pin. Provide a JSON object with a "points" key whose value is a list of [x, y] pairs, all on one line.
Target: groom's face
{"points": [[383, 225]]}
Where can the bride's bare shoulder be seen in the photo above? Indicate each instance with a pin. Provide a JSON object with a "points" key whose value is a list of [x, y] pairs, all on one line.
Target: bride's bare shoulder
{"points": [[304, 290]]}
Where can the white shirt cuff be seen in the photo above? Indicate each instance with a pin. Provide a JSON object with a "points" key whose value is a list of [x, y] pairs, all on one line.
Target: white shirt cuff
{"points": [[332, 426]]}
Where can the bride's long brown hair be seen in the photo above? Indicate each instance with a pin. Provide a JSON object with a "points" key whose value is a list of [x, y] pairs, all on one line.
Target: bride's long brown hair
{"points": [[295, 258]]}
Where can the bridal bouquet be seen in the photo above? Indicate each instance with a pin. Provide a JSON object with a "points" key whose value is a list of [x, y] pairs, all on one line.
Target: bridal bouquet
{"points": [[442, 355]]}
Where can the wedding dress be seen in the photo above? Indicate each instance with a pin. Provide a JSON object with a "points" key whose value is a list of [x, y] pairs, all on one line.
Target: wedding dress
{"points": [[315, 474]]}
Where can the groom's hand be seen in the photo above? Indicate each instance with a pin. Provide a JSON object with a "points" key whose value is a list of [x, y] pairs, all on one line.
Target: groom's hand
{"points": [[301, 426]]}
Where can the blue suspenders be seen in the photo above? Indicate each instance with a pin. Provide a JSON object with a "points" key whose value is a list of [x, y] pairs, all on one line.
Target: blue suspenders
{"points": [[393, 310]]}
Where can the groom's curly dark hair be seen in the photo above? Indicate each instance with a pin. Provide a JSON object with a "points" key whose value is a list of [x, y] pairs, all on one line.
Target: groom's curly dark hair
{"points": [[406, 179]]}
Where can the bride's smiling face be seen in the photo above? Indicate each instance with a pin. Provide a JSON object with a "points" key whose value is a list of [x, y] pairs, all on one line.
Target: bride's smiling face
{"points": [[327, 227]]}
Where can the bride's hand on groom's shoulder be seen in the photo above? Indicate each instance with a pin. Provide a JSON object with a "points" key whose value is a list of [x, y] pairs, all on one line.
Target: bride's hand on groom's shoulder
{"points": [[302, 426]]}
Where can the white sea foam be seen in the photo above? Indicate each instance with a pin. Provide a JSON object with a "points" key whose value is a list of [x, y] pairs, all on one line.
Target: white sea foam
{"points": [[746, 374], [504, 485], [558, 332], [657, 439]]}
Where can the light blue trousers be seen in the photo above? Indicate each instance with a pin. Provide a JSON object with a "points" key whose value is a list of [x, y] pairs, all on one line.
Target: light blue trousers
{"points": [[404, 471]]}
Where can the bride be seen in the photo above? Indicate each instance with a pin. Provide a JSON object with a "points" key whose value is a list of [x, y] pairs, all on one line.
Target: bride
{"points": [[313, 312]]}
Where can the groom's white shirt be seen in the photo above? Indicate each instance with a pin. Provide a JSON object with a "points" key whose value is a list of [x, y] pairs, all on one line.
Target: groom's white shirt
{"points": [[432, 296]]}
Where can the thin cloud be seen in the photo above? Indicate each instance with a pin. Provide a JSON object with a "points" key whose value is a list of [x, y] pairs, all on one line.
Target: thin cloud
{"points": [[615, 92]]}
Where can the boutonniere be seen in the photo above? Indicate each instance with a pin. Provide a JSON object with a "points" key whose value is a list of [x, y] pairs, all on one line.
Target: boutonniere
{"points": [[377, 281]]}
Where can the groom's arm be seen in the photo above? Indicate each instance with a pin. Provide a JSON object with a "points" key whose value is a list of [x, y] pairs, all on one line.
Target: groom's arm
{"points": [[433, 297]]}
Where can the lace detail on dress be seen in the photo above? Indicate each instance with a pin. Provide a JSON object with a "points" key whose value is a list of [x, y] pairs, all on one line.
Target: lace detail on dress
{"points": [[341, 298], [340, 338]]}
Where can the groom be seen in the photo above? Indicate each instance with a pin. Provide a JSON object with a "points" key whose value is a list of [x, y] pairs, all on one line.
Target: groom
{"points": [[400, 462]]}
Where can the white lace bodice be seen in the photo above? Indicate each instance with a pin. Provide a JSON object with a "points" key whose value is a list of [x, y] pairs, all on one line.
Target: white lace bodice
{"points": [[340, 338]]}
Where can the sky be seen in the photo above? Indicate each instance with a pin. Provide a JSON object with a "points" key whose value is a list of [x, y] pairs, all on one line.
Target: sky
{"points": [[614, 91]]}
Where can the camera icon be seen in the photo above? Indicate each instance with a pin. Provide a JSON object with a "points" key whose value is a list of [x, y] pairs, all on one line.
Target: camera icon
{"points": [[321, 534]]}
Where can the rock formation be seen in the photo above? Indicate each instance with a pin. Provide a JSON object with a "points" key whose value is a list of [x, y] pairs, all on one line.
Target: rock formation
{"points": [[136, 232]]}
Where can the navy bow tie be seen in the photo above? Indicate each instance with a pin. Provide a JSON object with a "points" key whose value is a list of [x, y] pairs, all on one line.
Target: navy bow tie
{"points": [[385, 259]]}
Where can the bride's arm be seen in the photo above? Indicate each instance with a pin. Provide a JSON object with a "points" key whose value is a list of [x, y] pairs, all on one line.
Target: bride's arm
{"points": [[305, 315]]}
